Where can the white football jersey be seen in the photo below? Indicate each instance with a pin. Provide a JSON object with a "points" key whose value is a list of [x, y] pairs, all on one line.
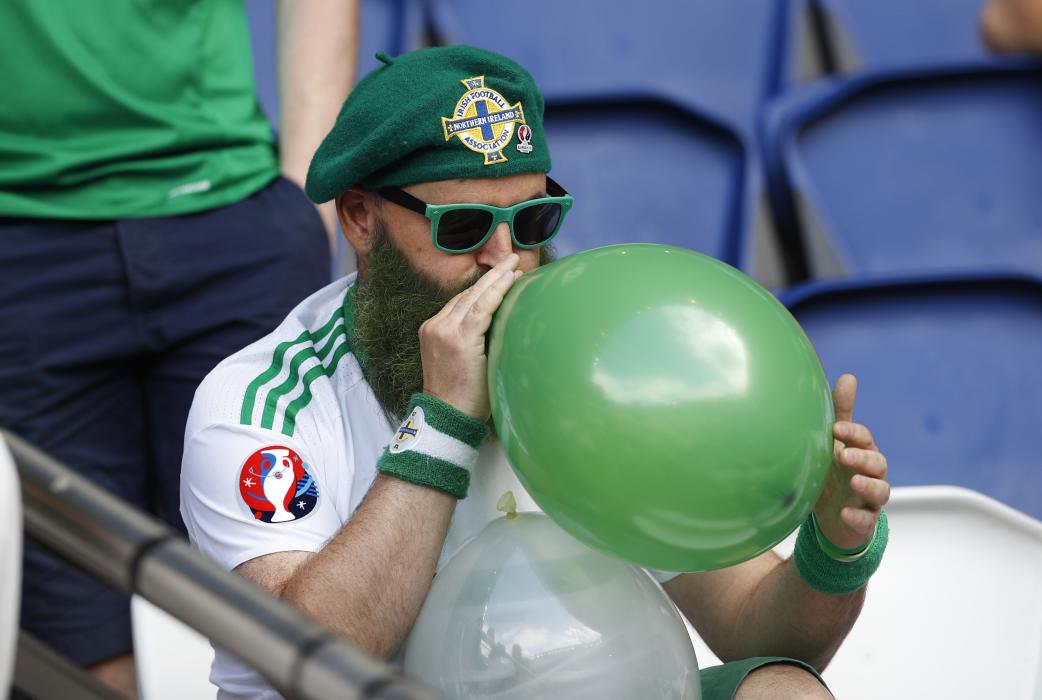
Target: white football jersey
{"points": [[281, 447]]}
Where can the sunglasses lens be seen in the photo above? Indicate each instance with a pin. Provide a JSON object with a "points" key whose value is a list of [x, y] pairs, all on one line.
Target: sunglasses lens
{"points": [[536, 224], [460, 229]]}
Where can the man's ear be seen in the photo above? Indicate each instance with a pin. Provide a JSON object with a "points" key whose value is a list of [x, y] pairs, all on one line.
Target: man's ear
{"points": [[357, 210]]}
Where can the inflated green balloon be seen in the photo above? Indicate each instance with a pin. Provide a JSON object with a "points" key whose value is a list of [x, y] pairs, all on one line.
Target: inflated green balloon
{"points": [[660, 405], [524, 611]]}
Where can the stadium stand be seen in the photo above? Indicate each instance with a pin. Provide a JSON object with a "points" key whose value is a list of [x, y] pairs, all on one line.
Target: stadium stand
{"points": [[10, 563], [953, 612], [905, 173], [950, 380]]}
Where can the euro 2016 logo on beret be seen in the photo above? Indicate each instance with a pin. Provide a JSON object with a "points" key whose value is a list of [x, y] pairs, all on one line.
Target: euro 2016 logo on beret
{"points": [[524, 133], [275, 485], [483, 120]]}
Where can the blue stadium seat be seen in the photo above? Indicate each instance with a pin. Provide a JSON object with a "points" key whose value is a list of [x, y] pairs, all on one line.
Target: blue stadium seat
{"points": [[866, 36], [647, 172], [909, 173], [949, 373]]}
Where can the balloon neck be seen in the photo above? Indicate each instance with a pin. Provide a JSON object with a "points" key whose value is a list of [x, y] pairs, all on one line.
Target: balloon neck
{"points": [[507, 504]]}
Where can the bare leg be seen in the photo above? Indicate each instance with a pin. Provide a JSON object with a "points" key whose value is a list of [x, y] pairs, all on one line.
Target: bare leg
{"points": [[118, 673], [781, 682]]}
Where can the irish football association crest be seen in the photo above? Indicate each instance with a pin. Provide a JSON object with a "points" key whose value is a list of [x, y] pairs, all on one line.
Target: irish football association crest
{"points": [[483, 120]]}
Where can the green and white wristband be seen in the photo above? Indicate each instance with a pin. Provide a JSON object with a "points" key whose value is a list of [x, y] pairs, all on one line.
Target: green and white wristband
{"points": [[435, 446], [834, 570]]}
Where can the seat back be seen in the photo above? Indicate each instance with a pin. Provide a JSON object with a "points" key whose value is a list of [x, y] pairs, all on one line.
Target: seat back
{"points": [[647, 172], [918, 174]]}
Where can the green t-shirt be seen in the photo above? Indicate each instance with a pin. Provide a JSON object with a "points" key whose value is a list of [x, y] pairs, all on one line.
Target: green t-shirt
{"points": [[128, 108]]}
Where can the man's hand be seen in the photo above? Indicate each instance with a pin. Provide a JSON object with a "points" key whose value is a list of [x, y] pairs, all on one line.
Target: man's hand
{"points": [[452, 342], [855, 489]]}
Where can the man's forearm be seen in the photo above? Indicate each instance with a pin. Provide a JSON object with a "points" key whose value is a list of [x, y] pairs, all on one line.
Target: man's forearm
{"points": [[369, 582], [789, 618], [764, 608]]}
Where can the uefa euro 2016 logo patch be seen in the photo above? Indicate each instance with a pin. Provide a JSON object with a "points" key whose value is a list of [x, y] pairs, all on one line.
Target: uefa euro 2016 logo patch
{"points": [[483, 120], [276, 486]]}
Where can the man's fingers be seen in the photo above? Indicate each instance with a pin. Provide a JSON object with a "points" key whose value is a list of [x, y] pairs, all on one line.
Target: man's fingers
{"points": [[859, 520], [874, 492], [468, 297], [854, 435], [868, 462], [843, 395], [479, 316]]}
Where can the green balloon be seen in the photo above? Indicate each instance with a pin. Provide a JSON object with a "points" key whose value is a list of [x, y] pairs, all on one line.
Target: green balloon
{"points": [[660, 405]]}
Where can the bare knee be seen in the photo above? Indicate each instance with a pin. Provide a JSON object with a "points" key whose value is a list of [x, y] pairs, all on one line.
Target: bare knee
{"points": [[781, 682]]}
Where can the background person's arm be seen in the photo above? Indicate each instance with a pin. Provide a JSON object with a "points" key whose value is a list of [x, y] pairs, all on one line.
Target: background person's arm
{"points": [[317, 62], [764, 607]]}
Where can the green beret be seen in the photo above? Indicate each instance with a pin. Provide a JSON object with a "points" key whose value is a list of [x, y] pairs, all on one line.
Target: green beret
{"points": [[433, 114]]}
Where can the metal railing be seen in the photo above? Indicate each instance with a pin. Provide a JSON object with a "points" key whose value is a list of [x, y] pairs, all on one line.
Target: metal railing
{"points": [[138, 554]]}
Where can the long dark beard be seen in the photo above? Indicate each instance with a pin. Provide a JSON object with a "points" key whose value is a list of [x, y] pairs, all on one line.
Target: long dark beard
{"points": [[391, 303]]}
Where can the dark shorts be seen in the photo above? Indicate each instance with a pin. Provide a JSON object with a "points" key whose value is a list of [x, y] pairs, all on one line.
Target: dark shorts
{"points": [[721, 682], [108, 329]]}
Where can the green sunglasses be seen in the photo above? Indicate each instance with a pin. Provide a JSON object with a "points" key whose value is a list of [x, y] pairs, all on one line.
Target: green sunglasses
{"points": [[461, 228]]}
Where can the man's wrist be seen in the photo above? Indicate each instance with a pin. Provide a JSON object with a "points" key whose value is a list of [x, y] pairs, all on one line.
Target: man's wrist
{"points": [[831, 569], [435, 446]]}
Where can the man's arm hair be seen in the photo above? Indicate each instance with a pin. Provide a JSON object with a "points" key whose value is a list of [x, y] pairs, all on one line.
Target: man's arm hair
{"points": [[763, 607], [368, 583]]}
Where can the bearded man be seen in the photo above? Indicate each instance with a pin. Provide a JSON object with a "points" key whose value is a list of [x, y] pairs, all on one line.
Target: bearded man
{"points": [[342, 460]]}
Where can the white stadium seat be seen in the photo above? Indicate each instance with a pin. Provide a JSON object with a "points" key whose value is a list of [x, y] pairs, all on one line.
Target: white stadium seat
{"points": [[173, 660], [10, 564], [955, 610]]}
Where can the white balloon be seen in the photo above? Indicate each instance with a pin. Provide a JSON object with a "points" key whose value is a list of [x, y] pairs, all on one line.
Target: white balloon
{"points": [[524, 611]]}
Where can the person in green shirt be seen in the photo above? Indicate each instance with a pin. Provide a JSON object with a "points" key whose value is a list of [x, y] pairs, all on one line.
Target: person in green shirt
{"points": [[150, 227]]}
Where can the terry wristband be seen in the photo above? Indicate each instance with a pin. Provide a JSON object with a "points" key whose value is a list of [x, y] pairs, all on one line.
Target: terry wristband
{"points": [[831, 569], [435, 446]]}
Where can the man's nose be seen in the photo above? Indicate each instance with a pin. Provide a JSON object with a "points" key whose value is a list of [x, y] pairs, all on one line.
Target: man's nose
{"points": [[497, 247]]}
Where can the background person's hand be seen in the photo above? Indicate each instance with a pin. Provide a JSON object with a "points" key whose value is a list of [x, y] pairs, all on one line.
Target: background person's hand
{"points": [[452, 342], [855, 489], [1012, 25]]}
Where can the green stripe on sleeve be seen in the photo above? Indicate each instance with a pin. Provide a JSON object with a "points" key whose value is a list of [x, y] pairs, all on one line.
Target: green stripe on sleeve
{"points": [[290, 423], [250, 398], [293, 379]]}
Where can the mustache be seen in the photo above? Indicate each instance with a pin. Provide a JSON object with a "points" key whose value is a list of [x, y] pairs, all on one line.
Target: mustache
{"points": [[390, 304]]}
